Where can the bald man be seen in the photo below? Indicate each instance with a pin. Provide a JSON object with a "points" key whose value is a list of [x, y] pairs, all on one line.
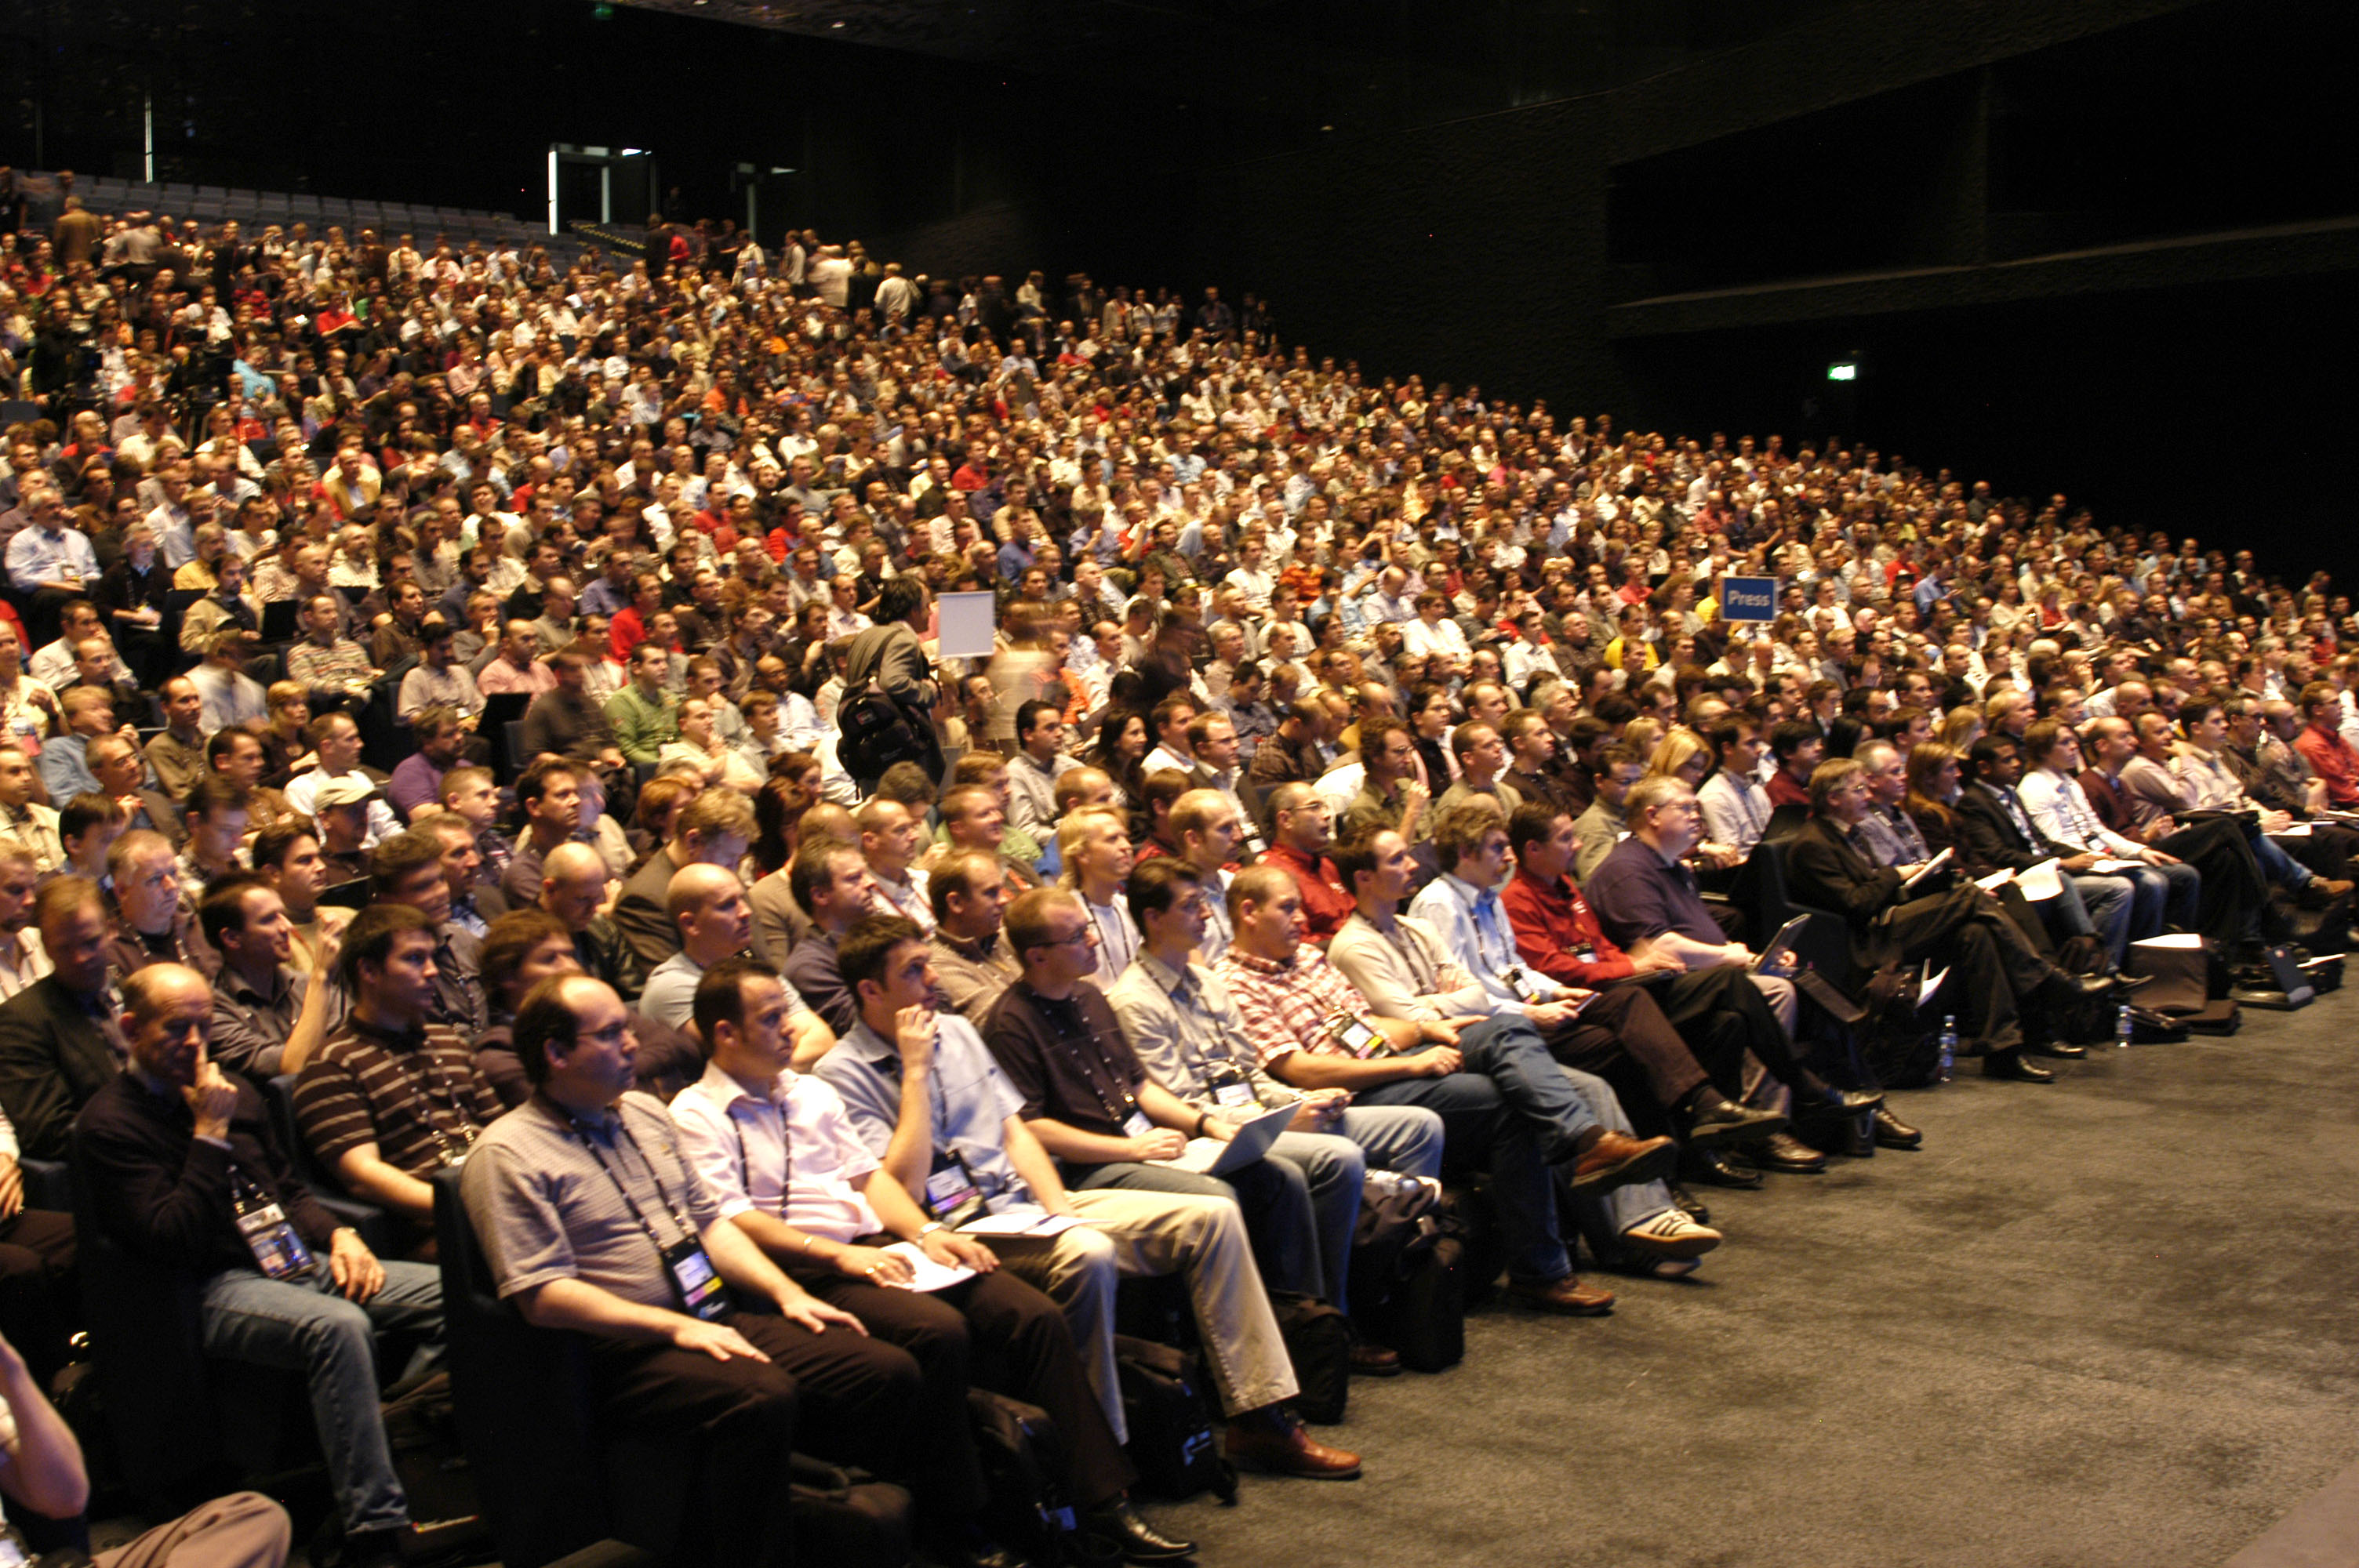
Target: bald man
{"points": [[707, 904]]}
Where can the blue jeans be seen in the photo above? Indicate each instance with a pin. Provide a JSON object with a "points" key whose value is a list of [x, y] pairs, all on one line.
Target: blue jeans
{"points": [[2276, 864], [302, 1326], [1335, 1167], [1605, 1218], [1516, 1108], [2107, 904]]}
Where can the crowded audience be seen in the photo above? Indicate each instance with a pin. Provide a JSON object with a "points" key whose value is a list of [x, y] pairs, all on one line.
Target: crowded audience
{"points": [[487, 708]]}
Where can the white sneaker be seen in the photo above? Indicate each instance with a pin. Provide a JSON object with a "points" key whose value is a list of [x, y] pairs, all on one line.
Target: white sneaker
{"points": [[1671, 1234]]}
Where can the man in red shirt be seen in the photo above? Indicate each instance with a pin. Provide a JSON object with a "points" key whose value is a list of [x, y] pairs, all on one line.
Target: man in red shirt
{"points": [[2321, 744], [1799, 746], [1301, 830], [1713, 1006]]}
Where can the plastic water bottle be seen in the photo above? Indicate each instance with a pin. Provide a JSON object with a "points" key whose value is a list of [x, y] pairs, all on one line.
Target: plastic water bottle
{"points": [[2123, 1027], [1947, 1068]]}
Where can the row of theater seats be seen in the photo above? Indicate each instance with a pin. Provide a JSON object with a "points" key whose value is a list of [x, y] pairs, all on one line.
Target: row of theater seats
{"points": [[213, 204]]}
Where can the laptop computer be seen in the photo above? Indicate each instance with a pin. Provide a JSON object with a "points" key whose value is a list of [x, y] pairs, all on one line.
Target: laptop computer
{"points": [[278, 621]]}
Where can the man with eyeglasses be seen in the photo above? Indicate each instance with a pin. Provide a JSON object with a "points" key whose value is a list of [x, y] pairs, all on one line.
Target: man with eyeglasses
{"points": [[48, 562]]}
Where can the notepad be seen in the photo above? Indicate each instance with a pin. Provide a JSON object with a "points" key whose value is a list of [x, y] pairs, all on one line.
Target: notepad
{"points": [[928, 1274]]}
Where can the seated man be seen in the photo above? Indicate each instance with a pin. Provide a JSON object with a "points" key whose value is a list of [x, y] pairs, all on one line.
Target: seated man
{"points": [[268, 1016], [25, 821], [1995, 971], [779, 1155], [2168, 890], [23, 960], [392, 1097], [60, 1040], [85, 713], [1092, 1107], [708, 904], [177, 754], [1643, 895], [2208, 775], [333, 670], [830, 879], [336, 742], [185, 1173], [972, 890], [715, 827], [972, 818], [462, 871], [1405, 969], [1606, 822], [573, 889], [549, 794], [1624, 1032], [115, 762], [689, 1331], [1501, 1098], [1735, 808], [1184, 1028], [1995, 833], [408, 869], [928, 1101], [1302, 829], [890, 837], [155, 924]]}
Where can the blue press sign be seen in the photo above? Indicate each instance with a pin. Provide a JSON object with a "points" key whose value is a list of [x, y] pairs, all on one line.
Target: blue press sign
{"points": [[1748, 598]]}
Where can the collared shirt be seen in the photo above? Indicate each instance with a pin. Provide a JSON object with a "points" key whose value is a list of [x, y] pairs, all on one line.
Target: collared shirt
{"points": [[2208, 781], [1325, 903], [37, 556], [23, 960], [1067, 1057], [2334, 758], [179, 763], [1405, 971], [416, 1094], [790, 1153], [2061, 811], [1558, 935], [972, 1102], [909, 897], [1032, 789], [1183, 1023], [1888, 838], [1735, 810], [1473, 926], [547, 1198], [251, 1027], [35, 827], [971, 974], [643, 725], [1290, 1006], [2011, 802], [1637, 894], [342, 663], [451, 686]]}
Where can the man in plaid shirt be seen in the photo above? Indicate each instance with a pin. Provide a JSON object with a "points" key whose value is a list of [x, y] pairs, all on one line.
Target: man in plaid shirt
{"points": [[1501, 1097]]}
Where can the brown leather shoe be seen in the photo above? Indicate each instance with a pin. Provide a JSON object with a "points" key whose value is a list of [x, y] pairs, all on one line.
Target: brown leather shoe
{"points": [[1372, 1361], [1567, 1295], [1615, 1160], [1272, 1439]]}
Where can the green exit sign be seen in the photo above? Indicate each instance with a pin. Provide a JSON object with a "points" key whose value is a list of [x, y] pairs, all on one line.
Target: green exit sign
{"points": [[1843, 370]]}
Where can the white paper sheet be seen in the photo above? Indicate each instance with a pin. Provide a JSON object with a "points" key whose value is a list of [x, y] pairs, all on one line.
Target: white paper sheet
{"points": [[931, 1275], [964, 623]]}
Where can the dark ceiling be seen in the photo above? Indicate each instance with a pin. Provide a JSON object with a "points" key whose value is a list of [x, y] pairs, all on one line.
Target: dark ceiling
{"points": [[1266, 74]]}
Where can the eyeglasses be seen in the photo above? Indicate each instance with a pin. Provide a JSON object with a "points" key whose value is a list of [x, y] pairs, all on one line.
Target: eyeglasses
{"points": [[1087, 936]]}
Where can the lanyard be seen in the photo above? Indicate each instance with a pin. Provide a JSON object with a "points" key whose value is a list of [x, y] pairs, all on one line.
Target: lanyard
{"points": [[786, 1153], [1107, 940], [679, 1216], [1117, 1109]]}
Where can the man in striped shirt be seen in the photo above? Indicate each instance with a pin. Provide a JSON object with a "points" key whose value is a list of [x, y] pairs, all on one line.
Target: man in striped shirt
{"points": [[390, 1099]]}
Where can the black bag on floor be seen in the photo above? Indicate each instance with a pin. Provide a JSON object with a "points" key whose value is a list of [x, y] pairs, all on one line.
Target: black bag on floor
{"points": [[1468, 1215], [845, 1519], [1425, 1321], [1023, 1456], [1319, 1343], [421, 1427], [1172, 1445]]}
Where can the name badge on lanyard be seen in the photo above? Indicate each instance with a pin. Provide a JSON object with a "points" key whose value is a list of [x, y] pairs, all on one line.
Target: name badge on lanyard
{"points": [[693, 1274], [953, 1196], [1135, 1125], [278, 1251]]}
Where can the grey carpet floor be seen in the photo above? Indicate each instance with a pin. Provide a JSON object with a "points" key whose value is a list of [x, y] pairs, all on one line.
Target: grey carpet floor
{"points": [[2109, 1322]]}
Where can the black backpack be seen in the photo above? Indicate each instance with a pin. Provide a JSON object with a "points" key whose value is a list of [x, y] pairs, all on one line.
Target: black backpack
{"points": [[1172, 1445], [1023, 1456], [874, 730], [1396, 1227], [845, 1518], [1319, 1342]]}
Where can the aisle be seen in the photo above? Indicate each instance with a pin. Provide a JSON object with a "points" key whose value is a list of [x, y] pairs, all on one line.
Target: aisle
{"points": [[2109, 1322]]}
